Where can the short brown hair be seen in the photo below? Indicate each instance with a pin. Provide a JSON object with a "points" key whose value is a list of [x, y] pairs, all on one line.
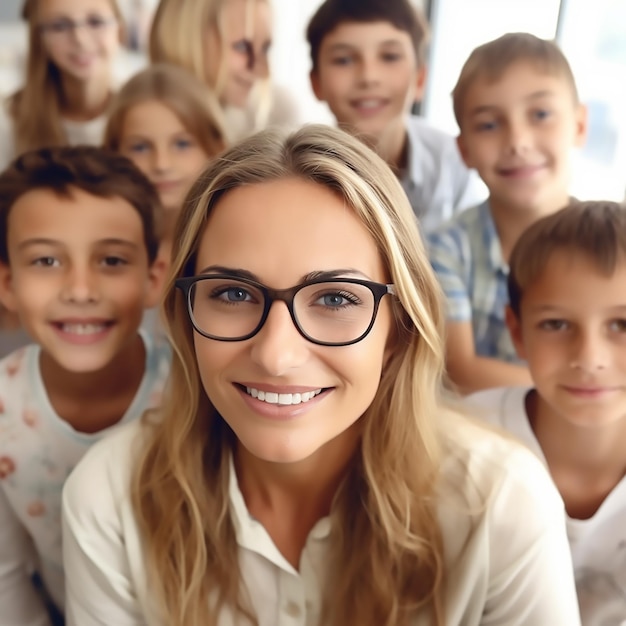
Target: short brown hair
{"points": [[596, 229], [401, 13], [97, 171], [493, 58]]}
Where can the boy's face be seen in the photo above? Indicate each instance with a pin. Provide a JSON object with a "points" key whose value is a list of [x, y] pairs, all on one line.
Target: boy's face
{"points": [[79, 276], [572, 333], [368, 75], [518, 132]]}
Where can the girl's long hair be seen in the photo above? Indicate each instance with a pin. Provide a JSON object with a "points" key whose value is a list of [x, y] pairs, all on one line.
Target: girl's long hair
{"points": [[193, 104], [386, 553], [35, 108]]}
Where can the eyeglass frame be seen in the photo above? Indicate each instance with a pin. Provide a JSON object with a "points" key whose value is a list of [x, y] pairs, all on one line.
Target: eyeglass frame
{"points": [[47, 28], [379, 291]]}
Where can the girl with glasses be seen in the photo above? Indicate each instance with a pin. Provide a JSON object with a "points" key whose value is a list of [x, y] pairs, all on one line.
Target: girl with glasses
{"points": [[68, 80], [304, 468], [226, 44]]}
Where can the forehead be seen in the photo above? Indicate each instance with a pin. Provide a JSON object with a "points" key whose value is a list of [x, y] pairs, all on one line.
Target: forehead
{"points": [[42, 214], [285, 229], [73, 7], [361, 35], [246, 18], [151, 117], [518, 83]]}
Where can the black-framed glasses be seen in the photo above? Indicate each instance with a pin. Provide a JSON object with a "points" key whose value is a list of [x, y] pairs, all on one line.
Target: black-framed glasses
{"points": [[64, 27], [327, 312]]}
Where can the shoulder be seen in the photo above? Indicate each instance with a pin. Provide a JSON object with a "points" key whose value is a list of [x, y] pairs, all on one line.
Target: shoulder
{"points": [[101, 480], [14, 367], [421, 130], [483, 466]]}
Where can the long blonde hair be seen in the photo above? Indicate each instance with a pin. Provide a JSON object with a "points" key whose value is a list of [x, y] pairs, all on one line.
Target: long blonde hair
{"points": [[193, 104], [35, 108], [180, 27], [387, 553]]}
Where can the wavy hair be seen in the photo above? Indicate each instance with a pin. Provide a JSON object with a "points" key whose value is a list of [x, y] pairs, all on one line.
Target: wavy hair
{"points": [[193, 104], [387, 552], [35, 108]]}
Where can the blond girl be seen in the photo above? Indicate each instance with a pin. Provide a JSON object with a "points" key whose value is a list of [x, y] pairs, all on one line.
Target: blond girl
{"points": [[303, 469], [167, 123], [68, 81], [225, 43]]}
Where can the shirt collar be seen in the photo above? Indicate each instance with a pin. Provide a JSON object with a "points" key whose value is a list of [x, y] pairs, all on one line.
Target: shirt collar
{"points": [[414, 174]]}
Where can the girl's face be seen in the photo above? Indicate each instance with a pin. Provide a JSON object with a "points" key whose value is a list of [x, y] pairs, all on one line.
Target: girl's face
{"points": [[286, 398], [242, 56], [154, 138], [80, 37]]}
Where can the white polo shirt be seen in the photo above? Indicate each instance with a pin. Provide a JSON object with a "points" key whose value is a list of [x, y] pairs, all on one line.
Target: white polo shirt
{"points": [[502, 520]]}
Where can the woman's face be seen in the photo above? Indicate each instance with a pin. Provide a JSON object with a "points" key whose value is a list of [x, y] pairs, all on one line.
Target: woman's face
{"points": [[242, 53], [283, 233], [80, 37]]}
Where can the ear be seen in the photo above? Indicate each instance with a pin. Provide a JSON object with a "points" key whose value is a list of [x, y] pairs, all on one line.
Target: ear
{"points": [[582, 125], [463, 151], [7, 296], [314, 77], [420, 83], [156, 280], [515, 330]]}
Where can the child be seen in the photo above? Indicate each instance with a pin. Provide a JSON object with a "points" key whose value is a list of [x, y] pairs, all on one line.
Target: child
{"points": [[225, 43], [519, 114], [303, 469], [369, 65], [567, 286], [68, 82], [167, 123], [77, 263]]}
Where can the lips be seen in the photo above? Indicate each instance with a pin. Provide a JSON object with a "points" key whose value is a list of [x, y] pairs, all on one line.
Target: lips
{"points": [[520, 171]]}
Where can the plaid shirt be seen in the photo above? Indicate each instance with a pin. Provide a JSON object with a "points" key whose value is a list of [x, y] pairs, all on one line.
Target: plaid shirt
{"points": [[466, 256]]}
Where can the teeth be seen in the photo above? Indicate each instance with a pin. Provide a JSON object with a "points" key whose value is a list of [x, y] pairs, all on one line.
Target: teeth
{"points": [[282, 398], [82, 329]]}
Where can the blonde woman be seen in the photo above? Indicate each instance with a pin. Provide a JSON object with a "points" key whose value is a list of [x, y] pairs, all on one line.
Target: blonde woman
{"points": [[168, 124], [304, 469], [68, 81], [225, 43]]}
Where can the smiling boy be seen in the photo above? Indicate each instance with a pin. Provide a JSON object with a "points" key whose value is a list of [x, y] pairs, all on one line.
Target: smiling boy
{"points": [[519, 115], [78, 265], [567, 318], [369, 65]]}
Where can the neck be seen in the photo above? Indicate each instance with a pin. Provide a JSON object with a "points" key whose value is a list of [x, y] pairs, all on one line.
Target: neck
{"points": [[85, 100], [511, 220], [121, 374], [391, 146], [591, 451]]}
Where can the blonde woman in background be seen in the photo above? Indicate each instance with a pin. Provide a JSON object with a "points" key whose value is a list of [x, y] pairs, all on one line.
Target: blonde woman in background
{"points": [[225, 43], [303, 468], [68, 82]]}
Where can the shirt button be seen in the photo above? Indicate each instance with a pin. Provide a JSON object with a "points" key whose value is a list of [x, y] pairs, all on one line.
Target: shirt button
{"points": [[293, 609]]}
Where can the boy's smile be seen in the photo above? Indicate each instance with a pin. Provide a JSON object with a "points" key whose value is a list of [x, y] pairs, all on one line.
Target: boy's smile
{"points": [[368, 75], [79, 276], [573, 336], [518, 132]]}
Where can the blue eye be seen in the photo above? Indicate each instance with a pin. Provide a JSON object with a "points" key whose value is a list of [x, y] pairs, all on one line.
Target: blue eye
{"points": [[541, 114], [183, 144], [139, 148], [337, 300]]}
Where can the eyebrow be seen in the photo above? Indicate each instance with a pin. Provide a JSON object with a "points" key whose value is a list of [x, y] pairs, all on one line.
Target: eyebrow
{"points": [[488, 108], [315, 275], [42, 241], [341, 46]]}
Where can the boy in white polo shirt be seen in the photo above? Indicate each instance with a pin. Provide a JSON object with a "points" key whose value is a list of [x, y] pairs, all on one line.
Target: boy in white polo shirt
{"points": [[369, 65], [567, 318]]}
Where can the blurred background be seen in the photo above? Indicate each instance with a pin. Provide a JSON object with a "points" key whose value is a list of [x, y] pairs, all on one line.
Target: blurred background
{"points": [[591, 33]]}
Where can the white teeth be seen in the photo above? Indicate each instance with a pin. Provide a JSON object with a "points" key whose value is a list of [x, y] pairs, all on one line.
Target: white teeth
{"points": [[82, 329], [282, 398]]}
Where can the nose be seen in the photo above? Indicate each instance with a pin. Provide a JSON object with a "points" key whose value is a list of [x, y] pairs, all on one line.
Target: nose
{"points": [[590, 352], [519, 137], [80, 35], [369, 71], [278, 347], [80, 286], [161, 159]]}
